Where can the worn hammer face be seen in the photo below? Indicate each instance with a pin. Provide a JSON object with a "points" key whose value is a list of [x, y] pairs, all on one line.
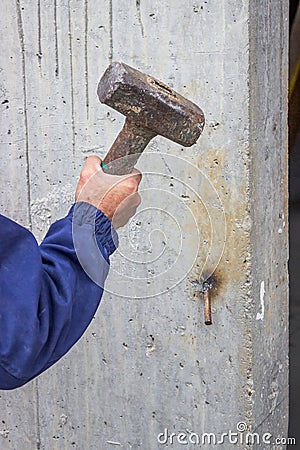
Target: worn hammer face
{"points": [[151, 104]]}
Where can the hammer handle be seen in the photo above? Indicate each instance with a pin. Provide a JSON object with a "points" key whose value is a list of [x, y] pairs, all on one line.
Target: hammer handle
{"points": [[127, 148]]}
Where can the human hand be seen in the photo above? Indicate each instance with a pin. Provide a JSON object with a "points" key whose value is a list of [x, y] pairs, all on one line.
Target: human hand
{"points": [[116, 196]]}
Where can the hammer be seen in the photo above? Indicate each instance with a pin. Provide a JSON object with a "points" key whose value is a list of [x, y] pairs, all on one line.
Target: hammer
{"points": [[151, 108]]}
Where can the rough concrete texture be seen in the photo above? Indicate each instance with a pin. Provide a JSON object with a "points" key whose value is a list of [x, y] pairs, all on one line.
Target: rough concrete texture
{"points": [[148, 362], [268, 144]]}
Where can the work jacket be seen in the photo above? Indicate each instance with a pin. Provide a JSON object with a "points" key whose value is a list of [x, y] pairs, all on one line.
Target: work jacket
{"points": [[49, 293]]}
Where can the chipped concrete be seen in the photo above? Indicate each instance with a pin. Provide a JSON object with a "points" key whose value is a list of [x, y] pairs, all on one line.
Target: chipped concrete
{"points": [[261, 313]]}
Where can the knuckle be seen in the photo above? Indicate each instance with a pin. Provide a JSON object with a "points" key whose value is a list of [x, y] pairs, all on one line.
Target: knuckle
{"points": [[87, 172], [91, 166], [93, 159], [138, 200], [131, 184], [84, 175], [134, 201]]}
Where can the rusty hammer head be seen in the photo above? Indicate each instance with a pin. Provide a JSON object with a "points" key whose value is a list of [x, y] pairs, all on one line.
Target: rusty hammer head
{"points": [[151, 104]]}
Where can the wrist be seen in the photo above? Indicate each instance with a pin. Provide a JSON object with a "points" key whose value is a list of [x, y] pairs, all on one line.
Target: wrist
{"points": [[82, 213]]}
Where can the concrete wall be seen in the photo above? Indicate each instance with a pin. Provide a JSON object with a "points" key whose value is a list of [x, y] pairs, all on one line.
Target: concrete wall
{"points": [[148, 362]]}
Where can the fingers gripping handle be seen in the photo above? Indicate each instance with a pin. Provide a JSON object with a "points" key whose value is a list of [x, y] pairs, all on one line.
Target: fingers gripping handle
{"points": [[127, 148]]}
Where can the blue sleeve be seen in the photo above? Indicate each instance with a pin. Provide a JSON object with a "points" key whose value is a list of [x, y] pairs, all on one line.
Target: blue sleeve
{"points": [[49, 293]]}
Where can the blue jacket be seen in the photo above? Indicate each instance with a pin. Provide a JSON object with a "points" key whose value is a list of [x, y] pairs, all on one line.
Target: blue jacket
{"points": [[47, 297]]}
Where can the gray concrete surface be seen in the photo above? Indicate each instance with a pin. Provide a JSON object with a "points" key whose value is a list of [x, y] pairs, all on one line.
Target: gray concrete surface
{"points": [[147, 361]]}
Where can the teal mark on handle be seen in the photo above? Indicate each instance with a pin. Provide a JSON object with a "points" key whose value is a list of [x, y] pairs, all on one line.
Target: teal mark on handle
{"points": [[104, 166]]}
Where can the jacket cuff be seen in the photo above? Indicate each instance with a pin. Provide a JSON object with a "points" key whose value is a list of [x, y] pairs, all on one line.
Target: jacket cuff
{"points": [[83, 212]]}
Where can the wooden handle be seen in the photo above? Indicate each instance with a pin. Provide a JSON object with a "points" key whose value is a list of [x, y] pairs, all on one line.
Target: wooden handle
{"points": [[127, 148]]}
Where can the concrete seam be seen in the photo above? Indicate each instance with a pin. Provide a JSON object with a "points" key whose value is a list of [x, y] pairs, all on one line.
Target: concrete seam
{"points": [[72, 82], [27, 158]]}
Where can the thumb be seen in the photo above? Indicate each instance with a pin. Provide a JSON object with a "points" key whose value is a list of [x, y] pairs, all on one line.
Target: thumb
{"points": [[92, 164]]}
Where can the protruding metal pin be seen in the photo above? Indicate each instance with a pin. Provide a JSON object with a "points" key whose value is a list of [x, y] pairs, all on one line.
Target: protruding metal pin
{"points": [[203, 288], [207, 308]]}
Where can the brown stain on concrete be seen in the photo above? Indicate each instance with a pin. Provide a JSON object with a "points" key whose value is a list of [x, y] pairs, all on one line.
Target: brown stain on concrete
{"points": [[230, 272]]}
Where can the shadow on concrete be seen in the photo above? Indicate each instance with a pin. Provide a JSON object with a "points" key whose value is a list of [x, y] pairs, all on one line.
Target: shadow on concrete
{"points": [[294, 269]]}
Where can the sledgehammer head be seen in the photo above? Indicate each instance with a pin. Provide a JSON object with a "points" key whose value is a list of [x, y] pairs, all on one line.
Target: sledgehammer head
{"points": [[151, 104]]}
